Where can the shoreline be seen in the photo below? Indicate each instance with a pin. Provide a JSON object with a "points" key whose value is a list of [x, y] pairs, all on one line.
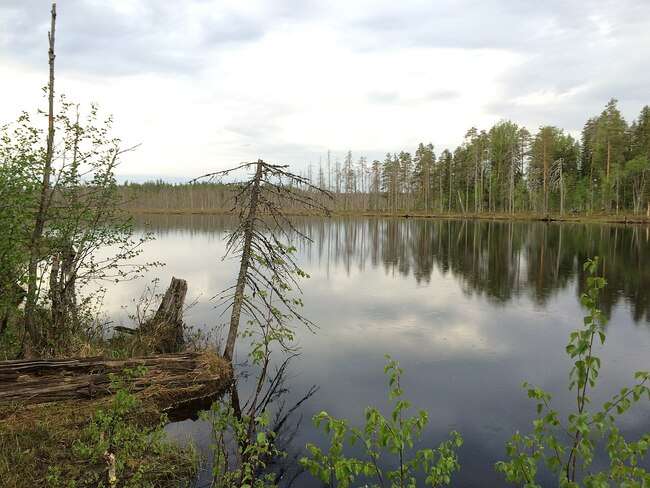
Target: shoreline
{"points": [[526, 217]]}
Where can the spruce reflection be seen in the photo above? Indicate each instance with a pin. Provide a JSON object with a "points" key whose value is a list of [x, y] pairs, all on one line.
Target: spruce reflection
{"points": [[494, 259]]}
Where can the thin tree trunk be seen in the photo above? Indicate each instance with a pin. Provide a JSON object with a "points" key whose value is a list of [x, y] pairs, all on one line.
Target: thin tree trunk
{"points": [[450, 185], [545, 160], [562, 188], [476, 186], [245, 263], [31, 327], [609, 156]]}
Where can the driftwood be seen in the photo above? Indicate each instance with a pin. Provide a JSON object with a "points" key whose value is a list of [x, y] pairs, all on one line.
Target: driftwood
{"points": [[172, 380]]}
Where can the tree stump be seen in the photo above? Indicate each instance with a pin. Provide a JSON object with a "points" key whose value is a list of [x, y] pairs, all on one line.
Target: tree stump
{"points": [[166, 327]]}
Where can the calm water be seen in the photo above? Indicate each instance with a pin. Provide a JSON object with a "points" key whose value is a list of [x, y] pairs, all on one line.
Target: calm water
{"points": [[470, 309]]}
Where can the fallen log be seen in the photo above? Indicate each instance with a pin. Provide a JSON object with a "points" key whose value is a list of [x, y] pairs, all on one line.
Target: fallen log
{"points": [[170, 380]]}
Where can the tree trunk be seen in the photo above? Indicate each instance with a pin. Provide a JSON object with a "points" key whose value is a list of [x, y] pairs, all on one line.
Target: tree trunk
{"points": [[609, 156], [243, 267], [545, 160], [31, 327], [166, 326]]}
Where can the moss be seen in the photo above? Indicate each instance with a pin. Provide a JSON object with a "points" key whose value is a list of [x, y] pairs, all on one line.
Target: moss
{"points": [[213, 364]]}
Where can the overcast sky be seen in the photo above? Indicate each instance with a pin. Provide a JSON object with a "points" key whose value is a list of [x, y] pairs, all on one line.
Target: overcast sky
{"points": [[206, 84]]}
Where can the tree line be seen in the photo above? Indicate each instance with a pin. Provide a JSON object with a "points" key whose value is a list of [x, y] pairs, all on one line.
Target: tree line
{"points": [[506, 169]]}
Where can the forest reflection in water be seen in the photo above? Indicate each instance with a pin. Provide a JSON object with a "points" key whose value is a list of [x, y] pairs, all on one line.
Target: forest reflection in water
{"points": [[470, 308], [496, 259]]}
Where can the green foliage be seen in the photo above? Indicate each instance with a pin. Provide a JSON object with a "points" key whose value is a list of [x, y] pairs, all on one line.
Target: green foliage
{"points": [[245, 466], [243, 442], [138, 451], [86, 236], [567, 446], [393, 436], [280, 300], [18, 155]]}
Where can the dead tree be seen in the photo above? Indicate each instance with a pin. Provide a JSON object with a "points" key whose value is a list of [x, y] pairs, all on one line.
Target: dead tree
{"points": [[174, 378], [40, 218], [167, 326], [267, 270], [268, 275], [164, 332]]}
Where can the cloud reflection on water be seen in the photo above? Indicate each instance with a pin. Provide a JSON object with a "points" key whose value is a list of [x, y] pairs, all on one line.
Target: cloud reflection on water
{"points": [[471, 309]]}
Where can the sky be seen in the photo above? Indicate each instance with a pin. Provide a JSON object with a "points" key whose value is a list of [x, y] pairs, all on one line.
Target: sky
{"points": [[203, 85]]}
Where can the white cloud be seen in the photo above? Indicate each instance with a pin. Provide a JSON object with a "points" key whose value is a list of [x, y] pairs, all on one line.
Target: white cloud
{"points": [[205, 84]]}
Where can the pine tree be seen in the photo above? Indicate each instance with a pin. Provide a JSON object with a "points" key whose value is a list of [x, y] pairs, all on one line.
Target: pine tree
{"points": [[425, 160], [637, 171], [405, 171], [609, 148], [504, 140]]}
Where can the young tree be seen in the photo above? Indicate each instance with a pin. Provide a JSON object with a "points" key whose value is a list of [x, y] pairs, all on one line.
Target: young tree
{"points": [[18, 197], [70, 209], [382, 438], [81, 215], [567, 446]]}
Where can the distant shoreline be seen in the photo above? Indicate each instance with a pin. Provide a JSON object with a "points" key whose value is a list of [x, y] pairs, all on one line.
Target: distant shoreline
{"points": [[578, 218]]}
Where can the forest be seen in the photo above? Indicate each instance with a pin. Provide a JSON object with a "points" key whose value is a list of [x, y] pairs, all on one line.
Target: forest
{"points": [[504, 170]]}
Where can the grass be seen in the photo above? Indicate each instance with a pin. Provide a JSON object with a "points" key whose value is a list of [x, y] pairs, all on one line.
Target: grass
{"points": [[63, 444]]}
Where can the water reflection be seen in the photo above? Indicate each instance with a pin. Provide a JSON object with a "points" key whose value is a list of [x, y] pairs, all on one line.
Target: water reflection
{"points": [[471, 309], [498, 260]]}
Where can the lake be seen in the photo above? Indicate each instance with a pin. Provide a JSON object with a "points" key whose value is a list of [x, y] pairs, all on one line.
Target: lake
{"points": [[471, 309]]}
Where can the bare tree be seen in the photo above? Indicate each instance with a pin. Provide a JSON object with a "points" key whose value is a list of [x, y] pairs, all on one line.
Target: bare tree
{"points": [[34, 244]]}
